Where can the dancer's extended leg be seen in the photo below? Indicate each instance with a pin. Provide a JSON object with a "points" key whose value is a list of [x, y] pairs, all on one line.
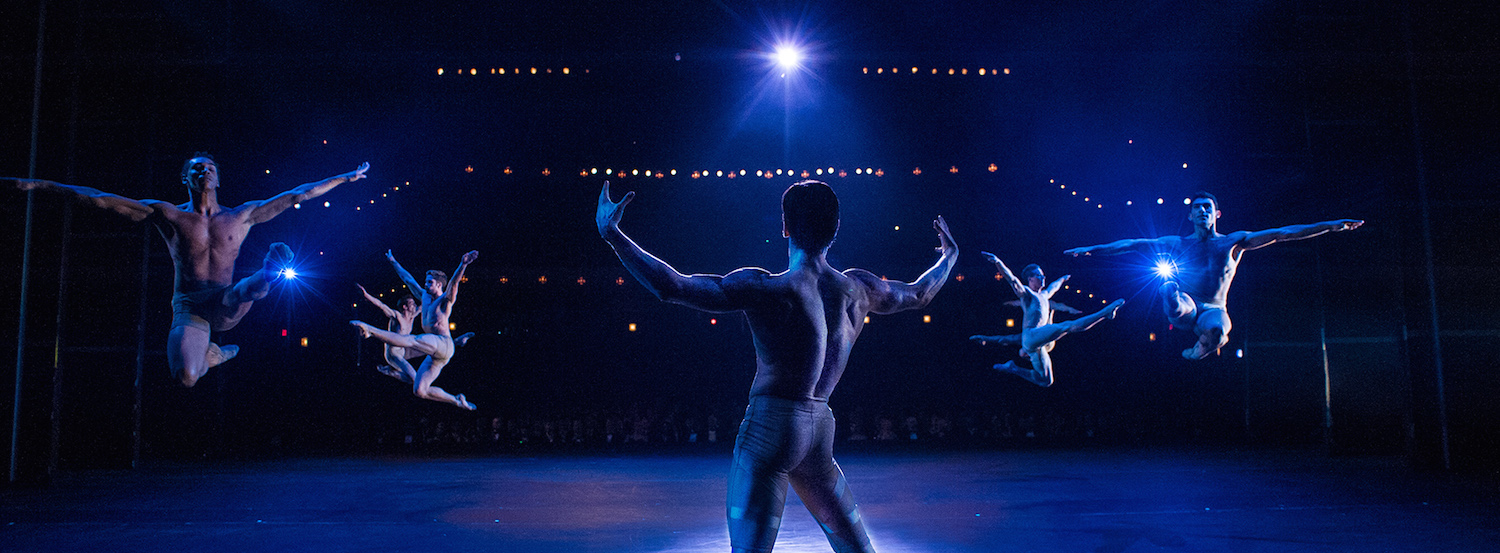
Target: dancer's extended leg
{"points": [[429, 371], [1212, 329], [426, 344]]}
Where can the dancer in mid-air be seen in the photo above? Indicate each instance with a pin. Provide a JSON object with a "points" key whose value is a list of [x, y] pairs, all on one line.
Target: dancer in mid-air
{"points": [[400, 321], [438, 295], [1205, 265], [803, 321], [1038, 333], [204, 241]]}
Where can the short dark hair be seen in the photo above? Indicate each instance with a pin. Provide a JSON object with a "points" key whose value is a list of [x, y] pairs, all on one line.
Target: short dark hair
{"points": [[407, 297], [811, 212], [188, 165], [1030, 270], [440, 276], [1211, 198]]}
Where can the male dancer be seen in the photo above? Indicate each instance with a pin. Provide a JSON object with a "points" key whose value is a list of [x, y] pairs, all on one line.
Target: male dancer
{"points": [[803, 321], [438, 296], [204, 240], [1038, 333], [1206, 262], [400, 321]]}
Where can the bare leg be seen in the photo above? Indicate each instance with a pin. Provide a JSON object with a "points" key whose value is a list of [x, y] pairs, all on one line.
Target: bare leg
{"points": [[258, 284], [1179, 307], [399, 369], [187, 353], [1012, 340], [1034, 376], [428, 372], [1212, 329], [419, 343]]}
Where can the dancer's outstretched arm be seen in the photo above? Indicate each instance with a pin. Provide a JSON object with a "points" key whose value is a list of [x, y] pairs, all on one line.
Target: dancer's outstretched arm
{"points": [[1055, 286], [411, 283], [712, 293], [265, 210], [1058, 306], [1261, 239], [450, 292], [1144, 245], [135, 210], [389, 313], [1010, 278], [890, 296]]}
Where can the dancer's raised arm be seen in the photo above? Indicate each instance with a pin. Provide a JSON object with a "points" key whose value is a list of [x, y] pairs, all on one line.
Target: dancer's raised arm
{"points": [[265, 210], [1146, 245], [450, 292], [888, 296], [136, 210], [703, 292], [389, 313], [411, 283], [1261, 239]]}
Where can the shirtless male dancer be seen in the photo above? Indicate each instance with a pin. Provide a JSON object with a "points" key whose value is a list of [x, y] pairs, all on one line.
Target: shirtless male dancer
{"points": [[1038, 333], [438, 295], [400, 321], [1206, 262], [803, 321], [204, 240]]}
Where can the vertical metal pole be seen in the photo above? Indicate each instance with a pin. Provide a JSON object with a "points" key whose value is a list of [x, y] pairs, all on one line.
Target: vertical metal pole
{"points": [[1323, 349], [57, 341], [140, 351], [36, 115], [1437, 339]]}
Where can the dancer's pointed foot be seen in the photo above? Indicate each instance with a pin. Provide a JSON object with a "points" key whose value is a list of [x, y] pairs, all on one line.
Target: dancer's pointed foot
{"points": [[1113, 309], [1010, 367], [389, 371], [279, 257], [1197, 352], [218, 354], [364, 329], [464, 403], [463, 339]]}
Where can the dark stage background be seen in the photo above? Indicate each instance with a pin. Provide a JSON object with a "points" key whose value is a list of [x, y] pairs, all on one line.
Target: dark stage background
{"points": [[1290, 112]]}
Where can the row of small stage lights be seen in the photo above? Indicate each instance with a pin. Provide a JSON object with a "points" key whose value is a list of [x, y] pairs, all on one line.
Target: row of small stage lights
{"points": [[475, 71], [745, 173]]}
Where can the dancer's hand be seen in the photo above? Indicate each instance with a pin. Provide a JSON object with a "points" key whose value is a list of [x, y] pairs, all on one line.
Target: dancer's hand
{"points": [[607, 216], [470, 257], [357, 173], [1348, 224], [946, 245], [390, 256], [992, 258], [1075, 252]]}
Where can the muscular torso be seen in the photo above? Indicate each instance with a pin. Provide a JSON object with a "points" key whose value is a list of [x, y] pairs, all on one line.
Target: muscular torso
{"points": [[203, 247], [435, 311], [1037, 309], [1205, 267], [804, 323]]}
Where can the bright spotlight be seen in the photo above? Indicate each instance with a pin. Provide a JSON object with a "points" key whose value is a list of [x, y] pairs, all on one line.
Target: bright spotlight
{"points": [[289, 273], [788, 57], [1164, 268]]}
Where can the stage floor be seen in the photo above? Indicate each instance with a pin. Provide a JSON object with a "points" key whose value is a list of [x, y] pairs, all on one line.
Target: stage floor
{"points": [[1095, 500]]}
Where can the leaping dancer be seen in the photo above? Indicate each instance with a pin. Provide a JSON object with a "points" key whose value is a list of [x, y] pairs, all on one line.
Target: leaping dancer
{"points": [[400, 321], [1038, 333], [1205, 265], [204, 241], [804, 321], [438, 295]]}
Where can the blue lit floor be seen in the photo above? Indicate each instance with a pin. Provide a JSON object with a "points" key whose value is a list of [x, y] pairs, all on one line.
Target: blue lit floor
{"points": [[1075, 500]]}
